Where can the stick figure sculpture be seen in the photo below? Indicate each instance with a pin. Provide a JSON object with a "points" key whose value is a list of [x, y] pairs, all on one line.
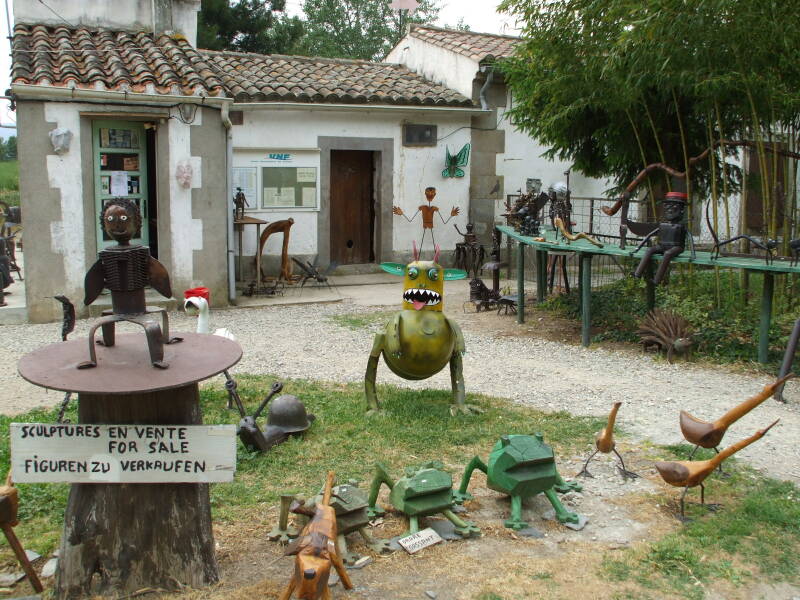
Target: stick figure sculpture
{"points": [[126, 270], [239, 203], [671, 237], [427, 215]]}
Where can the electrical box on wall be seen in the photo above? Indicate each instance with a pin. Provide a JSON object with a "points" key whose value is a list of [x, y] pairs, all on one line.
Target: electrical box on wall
{"points": [[419, 135]]}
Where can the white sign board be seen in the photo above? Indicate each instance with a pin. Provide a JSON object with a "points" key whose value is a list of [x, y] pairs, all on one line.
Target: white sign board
{"points": [[417, 541], [86, 453]]}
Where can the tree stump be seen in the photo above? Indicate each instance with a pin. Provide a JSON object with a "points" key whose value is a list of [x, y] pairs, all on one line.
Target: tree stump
{"points": [[120, 538]]}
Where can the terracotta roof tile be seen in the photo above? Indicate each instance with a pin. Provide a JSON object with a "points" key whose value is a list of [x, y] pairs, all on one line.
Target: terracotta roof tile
{"points": [[120, 60], [263, 78], [477, 46]]}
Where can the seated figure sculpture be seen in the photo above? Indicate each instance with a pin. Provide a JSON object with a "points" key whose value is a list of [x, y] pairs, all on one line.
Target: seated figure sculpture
{"points": [[126, 270], [671, 237]]}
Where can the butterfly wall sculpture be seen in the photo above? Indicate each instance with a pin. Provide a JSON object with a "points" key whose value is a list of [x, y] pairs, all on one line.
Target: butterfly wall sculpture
{"points": [[454, 163]]}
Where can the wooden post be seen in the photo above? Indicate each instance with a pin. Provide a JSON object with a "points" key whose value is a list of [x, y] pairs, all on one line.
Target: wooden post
{"points": [[766, 316], [586, 299], [520, 282], [120, 538]]}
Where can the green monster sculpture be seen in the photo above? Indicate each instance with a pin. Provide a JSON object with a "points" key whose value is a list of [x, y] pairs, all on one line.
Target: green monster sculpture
{"points": [[521, 466], [420, 340], [423, 491]]}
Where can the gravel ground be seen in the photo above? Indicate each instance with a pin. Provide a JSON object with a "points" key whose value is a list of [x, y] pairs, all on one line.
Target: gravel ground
{"points": [[302, 341]]}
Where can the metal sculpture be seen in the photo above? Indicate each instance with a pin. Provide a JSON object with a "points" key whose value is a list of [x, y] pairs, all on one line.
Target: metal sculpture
{"points": [[283, 227], [788, 358], [287, 416], [604, 442], [239, 204], [709, 434], [688, 474], [470, 253], [9, 507], [571, 237], [350, 505], [248, 430], [420, 340], [422, 491], [428, 211], [455, 162], [480, 296], [67, 327], [667, 331], [312, 272], [671, 233], [126, 270], [315, 551], [521, 466], [769, 246]]}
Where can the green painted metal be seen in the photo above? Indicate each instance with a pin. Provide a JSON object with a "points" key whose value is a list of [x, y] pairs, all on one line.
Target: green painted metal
{"points": [[586, 298], [521, 466], [520, 283], [120, 140], [422, 491], [541, 275], [766, 316]]}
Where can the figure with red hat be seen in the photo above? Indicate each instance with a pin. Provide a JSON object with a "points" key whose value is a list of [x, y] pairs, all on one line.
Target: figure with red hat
{"points": [[671, 237]]}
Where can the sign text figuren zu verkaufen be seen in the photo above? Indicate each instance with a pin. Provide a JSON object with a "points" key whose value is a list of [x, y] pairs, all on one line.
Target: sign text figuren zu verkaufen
{"points": [[47, 452]]}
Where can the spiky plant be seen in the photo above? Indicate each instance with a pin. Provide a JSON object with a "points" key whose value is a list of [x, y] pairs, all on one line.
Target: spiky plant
{"points": [[666, 330]]}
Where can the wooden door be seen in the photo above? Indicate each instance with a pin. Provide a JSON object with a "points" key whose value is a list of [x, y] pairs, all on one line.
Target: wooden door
{"points": [[352, 211]]}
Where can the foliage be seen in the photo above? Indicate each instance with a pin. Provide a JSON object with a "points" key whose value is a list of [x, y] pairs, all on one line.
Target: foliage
{"points": [[615, 85], [9, 175], [360, 29], [247, 26], [725, 328], [8, 148], [756, 536]]}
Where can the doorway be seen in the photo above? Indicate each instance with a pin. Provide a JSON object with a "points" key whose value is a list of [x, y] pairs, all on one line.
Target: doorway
{"points": [[123, 168], [352, 207]]}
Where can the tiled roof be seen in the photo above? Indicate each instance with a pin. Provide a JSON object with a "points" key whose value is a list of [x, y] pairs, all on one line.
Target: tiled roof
{"points": [[477, 46], [266, 78], [110, 60]]}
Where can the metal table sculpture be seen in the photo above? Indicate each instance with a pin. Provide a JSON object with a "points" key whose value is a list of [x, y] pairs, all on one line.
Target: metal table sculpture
{"points": [[687, 473], [709, 434], [428, 211], [9, 506], [521, 466], [420, 340], [671, 233], [350, 504], [421, 492], [667, 331], [126, 270], [604, 443], [315, 551]]}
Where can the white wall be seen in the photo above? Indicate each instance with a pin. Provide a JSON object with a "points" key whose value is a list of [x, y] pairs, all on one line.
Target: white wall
{"points": [[133, 15], [414, 169], [437, 64]]}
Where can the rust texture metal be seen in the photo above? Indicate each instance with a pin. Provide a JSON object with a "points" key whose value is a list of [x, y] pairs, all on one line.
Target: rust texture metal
{"points": [[126, 270], [239, 204], [470, 253], [199, 357], [248, 430]]}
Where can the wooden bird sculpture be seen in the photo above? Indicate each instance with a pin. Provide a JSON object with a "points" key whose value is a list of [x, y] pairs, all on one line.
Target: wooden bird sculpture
{"points": [[604, 442], [688, 473], [315, 551], [706, 434], [9, 505]]}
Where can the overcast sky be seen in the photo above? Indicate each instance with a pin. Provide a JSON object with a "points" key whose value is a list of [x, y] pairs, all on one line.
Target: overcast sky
{"points": [[479, 15]]}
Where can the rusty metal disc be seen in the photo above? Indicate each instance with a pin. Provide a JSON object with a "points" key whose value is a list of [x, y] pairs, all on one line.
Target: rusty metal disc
{"points": [[125, 367]]}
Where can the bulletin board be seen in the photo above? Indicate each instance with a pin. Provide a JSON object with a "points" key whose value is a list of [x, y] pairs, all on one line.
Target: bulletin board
{"points": [[289, 187], [282, 179]]}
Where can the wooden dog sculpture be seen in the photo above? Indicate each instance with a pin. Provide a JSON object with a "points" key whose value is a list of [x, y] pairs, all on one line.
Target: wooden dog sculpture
{"points": [[315, 551]]}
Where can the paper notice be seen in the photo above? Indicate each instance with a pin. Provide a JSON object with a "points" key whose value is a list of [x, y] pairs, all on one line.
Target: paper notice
{"points": [[309, 197], [119, 183], [279, 197], [306, 174]]}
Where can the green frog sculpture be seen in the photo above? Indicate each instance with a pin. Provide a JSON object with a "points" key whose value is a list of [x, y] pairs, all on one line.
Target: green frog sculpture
{"points": [[522, 466], [423, 491], [420, 340]]}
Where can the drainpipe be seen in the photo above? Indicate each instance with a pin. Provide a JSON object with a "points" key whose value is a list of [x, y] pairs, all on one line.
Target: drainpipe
{"points": [[226, 121], [485, 86]]}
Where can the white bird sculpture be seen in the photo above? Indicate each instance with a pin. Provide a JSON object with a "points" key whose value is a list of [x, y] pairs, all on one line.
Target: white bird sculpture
{"points": [[198, 306]]}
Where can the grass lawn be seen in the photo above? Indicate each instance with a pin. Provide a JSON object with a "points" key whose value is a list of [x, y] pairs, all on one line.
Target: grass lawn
{"points": [[9, 182], [756, 535]]}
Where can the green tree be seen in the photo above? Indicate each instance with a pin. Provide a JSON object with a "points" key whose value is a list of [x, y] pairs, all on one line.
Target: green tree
{"points": [[362, 29], [247, 26], [615, 85], [10, 152]]}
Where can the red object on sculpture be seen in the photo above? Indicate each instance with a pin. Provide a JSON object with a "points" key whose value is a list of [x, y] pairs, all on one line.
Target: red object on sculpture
{"points": [[198, 292]]}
